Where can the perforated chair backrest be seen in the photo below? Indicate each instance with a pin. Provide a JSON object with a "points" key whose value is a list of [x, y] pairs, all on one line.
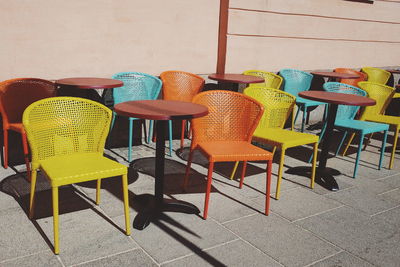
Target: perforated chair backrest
{"points": [[180, 85], [352, 82], [137, 86], [376, 75], [271, 80], [344, 111], [17, 94], [232, 117], [278, 106], [60, 126], [295, 81], [381, 93]]}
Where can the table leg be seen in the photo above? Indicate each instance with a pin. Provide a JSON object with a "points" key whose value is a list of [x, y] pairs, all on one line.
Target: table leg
{"points": [[156, 204]]}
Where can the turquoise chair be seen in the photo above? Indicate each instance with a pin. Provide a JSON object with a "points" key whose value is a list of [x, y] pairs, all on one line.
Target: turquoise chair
{"points": [[296, 81], [345, 121], [137, 86]]}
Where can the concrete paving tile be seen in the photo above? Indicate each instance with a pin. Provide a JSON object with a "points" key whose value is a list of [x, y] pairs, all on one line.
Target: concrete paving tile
{"points": [[7, 202], [363, 200], [372, 239], [300, 203], [18, 235], [392, 216], [393, 181], [44, 258], [177, 234], [236, 253], [134, 257], [393, 194], [372, 186], [342, 259], [85, 235], [282, 240]]}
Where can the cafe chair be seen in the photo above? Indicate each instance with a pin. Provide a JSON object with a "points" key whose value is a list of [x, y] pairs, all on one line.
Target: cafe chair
{"points": [[376, 75], [272, 80], [67, 137], [352, 82], [382, 94], [278, 106], [345, 121], [181, 86], [137, 86], [224, 135], [294, 82], [15, 96]]}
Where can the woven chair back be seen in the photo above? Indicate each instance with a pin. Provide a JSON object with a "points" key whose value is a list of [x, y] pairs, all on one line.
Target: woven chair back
{"points": [[271, 80], [381, 93], [180, 85], [352, 82], [295, 81], [376, 75]]}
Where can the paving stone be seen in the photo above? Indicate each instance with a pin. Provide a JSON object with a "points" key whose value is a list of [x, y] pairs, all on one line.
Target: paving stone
{"points": [[392, 216], [342, 259], [393, 181], [44, 258], [236, 253], [134, 257], [282, 240]]}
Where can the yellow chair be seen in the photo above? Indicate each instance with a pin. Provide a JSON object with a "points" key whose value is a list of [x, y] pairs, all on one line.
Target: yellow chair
{"points": [[382, 94], [278, 105], [376, 75], [67, 137], [271, 80]]}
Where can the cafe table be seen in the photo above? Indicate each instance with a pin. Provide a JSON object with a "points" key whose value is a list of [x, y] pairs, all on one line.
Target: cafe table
{"points": [[162, 111], [335, 76], [232, 81], [84, 86], [324, 175]]}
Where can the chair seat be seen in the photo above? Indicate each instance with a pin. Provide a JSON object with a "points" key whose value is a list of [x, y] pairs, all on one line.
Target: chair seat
{"points": [[233, 151], [392, 120], [364, 127], [80, 168], [307, 102], [283, 138]]}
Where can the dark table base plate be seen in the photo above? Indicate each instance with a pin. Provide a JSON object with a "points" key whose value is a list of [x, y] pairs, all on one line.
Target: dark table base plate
{"points": [[323, 177], [152, 210]]}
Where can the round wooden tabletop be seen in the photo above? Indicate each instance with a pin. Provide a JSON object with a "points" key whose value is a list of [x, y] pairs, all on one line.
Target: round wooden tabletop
{"points": [[235, 78], [160, 109], [338, 98], [336, 75], [90, 83], [394, 71]]}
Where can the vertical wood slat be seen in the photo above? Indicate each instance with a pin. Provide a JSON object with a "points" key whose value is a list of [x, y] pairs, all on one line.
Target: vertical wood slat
{"points": [[222, 35]]}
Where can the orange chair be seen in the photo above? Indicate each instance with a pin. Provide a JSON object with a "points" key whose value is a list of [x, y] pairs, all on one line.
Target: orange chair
{"points": [[352, 82], [225, 135], [181, 86], [15, 96]]}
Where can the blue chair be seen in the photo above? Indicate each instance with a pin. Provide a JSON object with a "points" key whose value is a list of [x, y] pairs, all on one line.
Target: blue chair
{"points": [[345, 121], [137, 86], [296, 81]]}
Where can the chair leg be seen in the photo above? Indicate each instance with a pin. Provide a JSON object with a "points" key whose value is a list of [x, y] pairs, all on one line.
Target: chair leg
{"points": [[341, 143], [314, 165], [190, 130], [144, 129], [234, 170], [268, 187], [348, 144], [396, 135], [186, 179], [126, 204], [130, 140], [183, 132], [321, 136], [26, 154], [150, 134], [98, 188], [292, 128], [297, 114], [32, 194], [208, 189], [54, 191], [243, 173], [358, 155], [113, 121], [278, 183], [303, 121], [170, 137], [382, 149], [5, 138], [368, 140]]}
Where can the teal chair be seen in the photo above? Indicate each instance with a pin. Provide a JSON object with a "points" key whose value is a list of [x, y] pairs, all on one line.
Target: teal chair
{"points": [[345, 121], [296, 81], [137, 86]]}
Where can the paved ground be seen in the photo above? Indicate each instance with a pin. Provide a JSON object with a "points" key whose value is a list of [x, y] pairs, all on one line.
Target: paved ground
{"points": [[355, 226]]}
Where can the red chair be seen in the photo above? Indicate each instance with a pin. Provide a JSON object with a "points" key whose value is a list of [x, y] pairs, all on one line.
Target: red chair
{"points": [[352, 82], [225, 135], [16, 95]]}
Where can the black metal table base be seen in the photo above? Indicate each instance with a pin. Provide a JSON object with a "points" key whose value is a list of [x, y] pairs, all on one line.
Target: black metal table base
{"points": [[153, 209]]}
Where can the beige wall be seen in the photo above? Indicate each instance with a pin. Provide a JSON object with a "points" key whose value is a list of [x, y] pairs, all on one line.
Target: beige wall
{"points": [[312, 34], [54, 39], [58, 38]]}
